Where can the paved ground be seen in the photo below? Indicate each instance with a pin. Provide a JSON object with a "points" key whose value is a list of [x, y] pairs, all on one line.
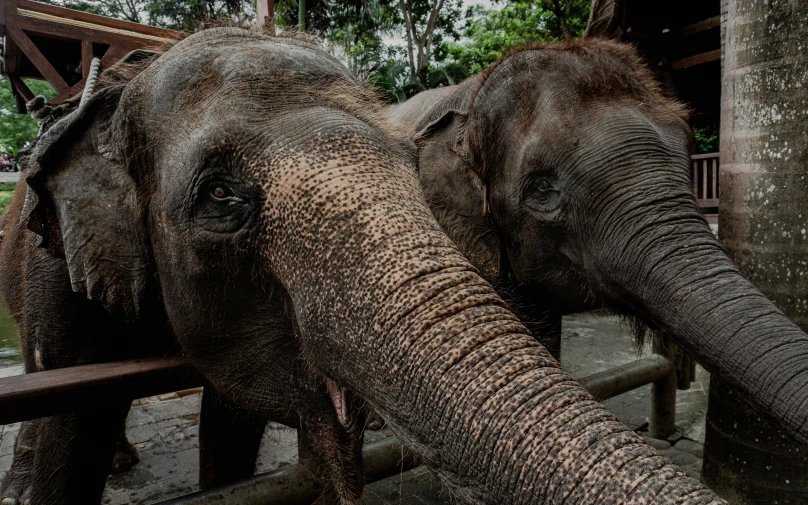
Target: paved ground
{"points": [[165, 428], [10, 176]]}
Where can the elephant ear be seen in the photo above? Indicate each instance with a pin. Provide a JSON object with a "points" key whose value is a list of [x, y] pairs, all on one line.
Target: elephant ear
{"points": [[455, 191], [82, 203]]}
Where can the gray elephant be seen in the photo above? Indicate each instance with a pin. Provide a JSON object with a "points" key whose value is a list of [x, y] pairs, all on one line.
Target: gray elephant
{"points": [[563, 173], [245, 194]]}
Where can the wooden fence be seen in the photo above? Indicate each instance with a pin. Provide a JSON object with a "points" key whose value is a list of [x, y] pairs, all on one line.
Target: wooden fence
{"points": [[705, 178]]}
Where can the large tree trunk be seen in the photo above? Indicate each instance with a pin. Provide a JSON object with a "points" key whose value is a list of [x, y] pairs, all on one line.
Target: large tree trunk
{"points": [[763, 223]]}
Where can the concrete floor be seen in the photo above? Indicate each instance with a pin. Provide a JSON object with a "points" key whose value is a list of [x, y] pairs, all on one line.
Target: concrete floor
{"points": [[165, 428]]}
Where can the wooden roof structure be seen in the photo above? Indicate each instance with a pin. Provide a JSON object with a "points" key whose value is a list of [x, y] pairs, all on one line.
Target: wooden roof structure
{"points": [[56, 44], [680, 40]]}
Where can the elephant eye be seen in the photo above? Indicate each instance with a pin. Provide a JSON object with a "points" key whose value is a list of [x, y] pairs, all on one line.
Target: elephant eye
{"points": [[542, 185], [221, 191]]}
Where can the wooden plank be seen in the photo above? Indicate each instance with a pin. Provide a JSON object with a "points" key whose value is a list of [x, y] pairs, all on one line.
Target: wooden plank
{"points": [[86, 57], [704, 156], [706, 203], [61, 12], [88, 387], [21, 87], [68, 93], [11, 55], [698, 59], [37, 58], [55, 29], [695, 28], [704, 178], [694, 177], [715, 179]]}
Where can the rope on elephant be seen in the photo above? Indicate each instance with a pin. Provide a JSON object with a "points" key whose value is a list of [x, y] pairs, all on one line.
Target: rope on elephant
{"points": [[92, 78]]}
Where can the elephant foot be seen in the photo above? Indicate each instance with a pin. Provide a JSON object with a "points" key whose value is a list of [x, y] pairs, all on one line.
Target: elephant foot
{"points": [[16, 486], [125, 455], [374, 422], [16, 490]]}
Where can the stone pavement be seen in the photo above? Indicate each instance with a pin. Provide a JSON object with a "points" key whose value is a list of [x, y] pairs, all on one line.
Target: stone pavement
{"points": [[10, 176], [165, 428]]}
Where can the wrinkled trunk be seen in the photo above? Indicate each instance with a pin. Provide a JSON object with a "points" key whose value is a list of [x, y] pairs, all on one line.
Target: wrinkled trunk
{"points": [[401, 318], [682, 282]]}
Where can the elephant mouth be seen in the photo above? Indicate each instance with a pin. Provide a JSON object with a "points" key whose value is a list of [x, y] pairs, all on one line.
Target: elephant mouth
{"points": [[339, 398]]}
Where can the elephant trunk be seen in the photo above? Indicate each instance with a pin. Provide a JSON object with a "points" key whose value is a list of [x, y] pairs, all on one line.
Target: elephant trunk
{"points": [[388, 307], [680, 281], [463, 383]]}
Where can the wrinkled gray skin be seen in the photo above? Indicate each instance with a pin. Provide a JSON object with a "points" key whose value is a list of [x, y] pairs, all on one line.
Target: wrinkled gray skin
{"points": [[564, 176], [247, 174]]}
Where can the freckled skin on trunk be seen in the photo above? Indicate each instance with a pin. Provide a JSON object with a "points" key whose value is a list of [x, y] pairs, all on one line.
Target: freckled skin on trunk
{"points": [[564, 171], [297, 258]]}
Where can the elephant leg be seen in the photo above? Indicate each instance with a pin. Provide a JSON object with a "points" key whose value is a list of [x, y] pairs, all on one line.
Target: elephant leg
{"points": [[228, 441], [125, 453], [74, 455], [16, 486]]}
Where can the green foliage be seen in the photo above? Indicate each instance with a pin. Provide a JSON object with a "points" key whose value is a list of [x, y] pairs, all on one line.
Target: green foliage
{"points": [[17, 130], [6, 193], [706, 139], [491, 33]]}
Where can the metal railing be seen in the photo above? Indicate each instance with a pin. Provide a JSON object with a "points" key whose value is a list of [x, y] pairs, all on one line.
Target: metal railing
{"points": [[34, 395]]}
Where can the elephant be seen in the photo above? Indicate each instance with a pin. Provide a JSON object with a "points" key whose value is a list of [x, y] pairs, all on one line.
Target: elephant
{"points": [[563, 173], [246, 195]]}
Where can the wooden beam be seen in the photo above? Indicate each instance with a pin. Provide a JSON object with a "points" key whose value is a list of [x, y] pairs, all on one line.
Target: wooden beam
{"points": [[706, 203], [89, 387], [68, 93], [37, 58], [69, 14], [21, 87], [53, 28], [698, 59], [695, 28], [11, 55], [86, 57]]}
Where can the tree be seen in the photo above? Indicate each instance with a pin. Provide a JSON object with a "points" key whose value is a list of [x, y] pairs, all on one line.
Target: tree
{"points": [[426, 22], [569, 16], [489, 34], [747, 456], [18, 130]]}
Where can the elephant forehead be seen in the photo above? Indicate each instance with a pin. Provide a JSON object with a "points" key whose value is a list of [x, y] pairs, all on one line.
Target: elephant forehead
{"points": [[187, 75]]}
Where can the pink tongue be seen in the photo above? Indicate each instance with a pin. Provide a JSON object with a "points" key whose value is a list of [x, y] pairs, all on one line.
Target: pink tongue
{"points": [[339, 400]]}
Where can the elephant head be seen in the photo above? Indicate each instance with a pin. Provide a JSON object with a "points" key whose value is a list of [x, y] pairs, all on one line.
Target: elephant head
{"points": [[573, 175], [255, 180]]}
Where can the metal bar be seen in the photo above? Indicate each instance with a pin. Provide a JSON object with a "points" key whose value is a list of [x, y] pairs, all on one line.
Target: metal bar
{"points": [[296, 485], [625, 378]]}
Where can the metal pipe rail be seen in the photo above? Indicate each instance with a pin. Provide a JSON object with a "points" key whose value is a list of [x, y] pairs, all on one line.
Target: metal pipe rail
{"points": [[40, 394]]}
